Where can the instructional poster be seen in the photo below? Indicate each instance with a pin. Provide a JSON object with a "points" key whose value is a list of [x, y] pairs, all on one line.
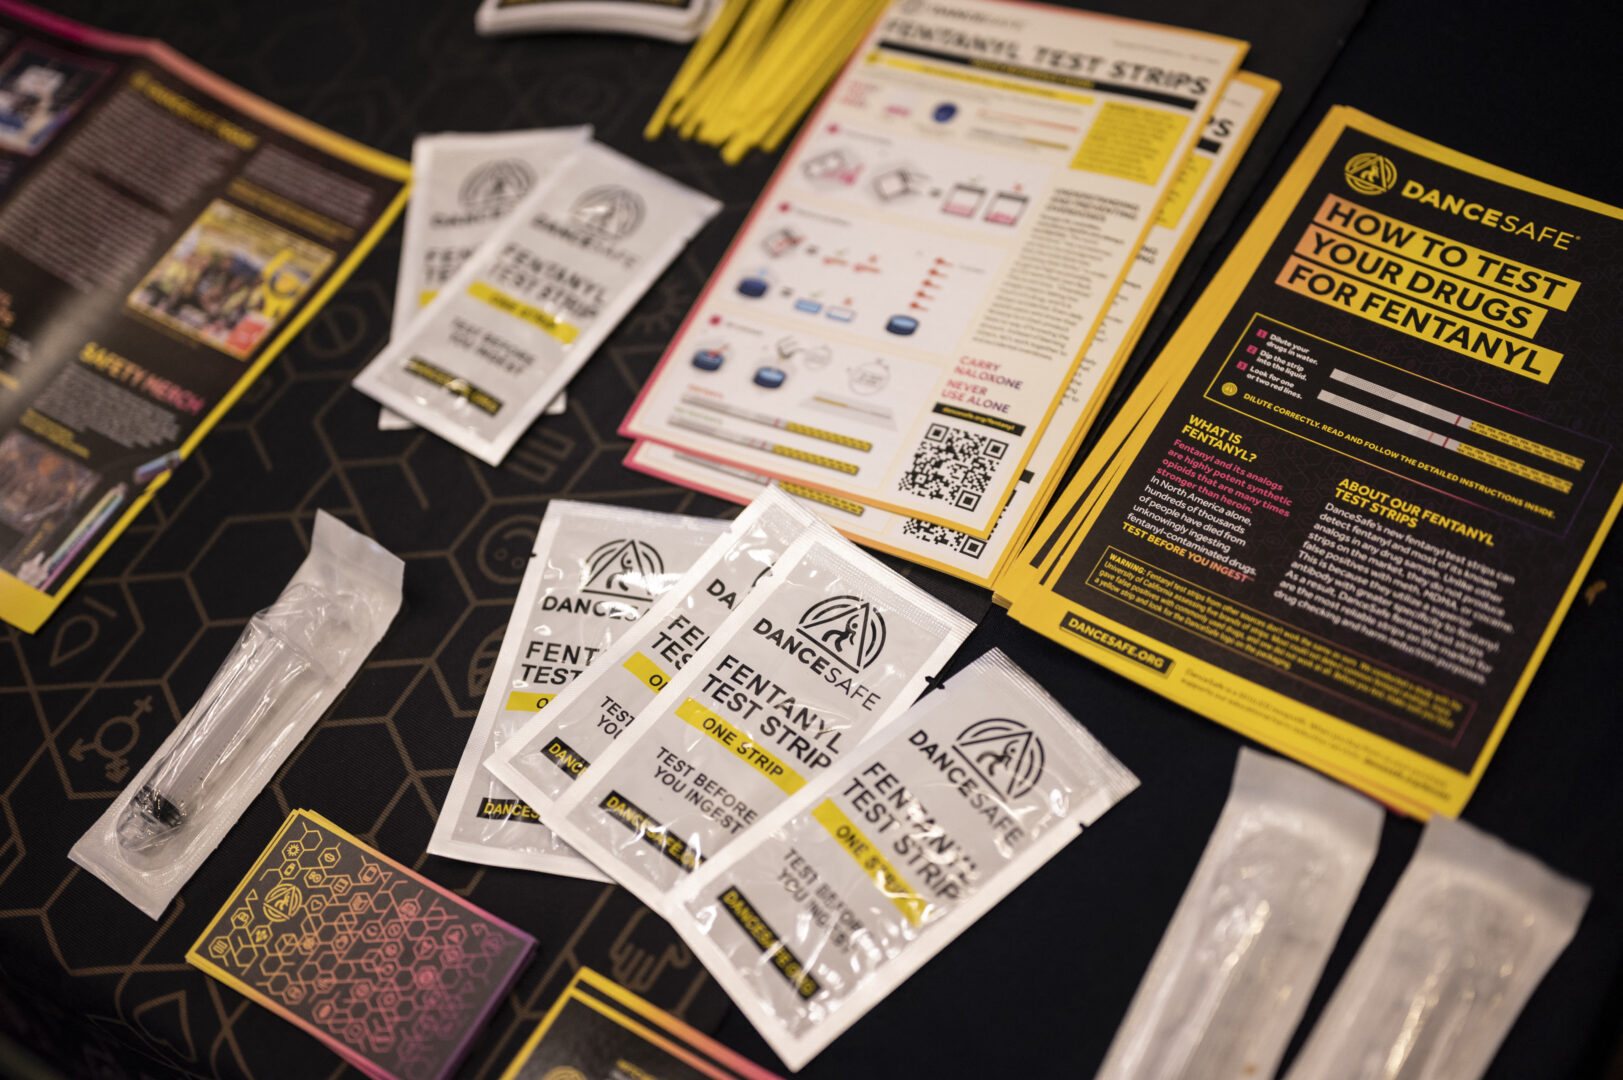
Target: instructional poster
{"points": [[899, 317], [163, 234], [1205, 173], [1388, 457]]}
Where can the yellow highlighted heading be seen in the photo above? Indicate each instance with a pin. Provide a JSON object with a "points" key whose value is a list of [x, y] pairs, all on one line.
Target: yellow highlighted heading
{"points": [[531, 314], [748, 750], [866, 853], [1463, 260], [1382, 269], [647, 672], [1418, 321]]}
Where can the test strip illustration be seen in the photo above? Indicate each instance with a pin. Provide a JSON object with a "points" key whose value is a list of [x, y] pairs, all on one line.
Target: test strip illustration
{"points": [[781, 450], [799, 491], [1475, 426], [753, 417], [1447, 442]]}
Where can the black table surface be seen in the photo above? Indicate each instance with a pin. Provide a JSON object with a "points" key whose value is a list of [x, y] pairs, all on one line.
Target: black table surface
{"points": [[1038, 986]]}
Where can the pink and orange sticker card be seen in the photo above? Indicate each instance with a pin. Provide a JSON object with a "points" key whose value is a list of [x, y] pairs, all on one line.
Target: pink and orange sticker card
{"points": [[390, 970]]}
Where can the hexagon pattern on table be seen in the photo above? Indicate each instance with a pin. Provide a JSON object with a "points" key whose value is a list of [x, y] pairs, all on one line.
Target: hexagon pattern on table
{"points": [[87, 980]]}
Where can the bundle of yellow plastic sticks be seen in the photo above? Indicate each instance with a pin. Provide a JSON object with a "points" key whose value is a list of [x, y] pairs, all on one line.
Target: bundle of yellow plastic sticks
{"points": [[758, 68]]}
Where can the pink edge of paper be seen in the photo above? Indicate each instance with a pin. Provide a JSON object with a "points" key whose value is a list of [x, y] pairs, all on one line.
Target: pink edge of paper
{"points": [[527, 943]]}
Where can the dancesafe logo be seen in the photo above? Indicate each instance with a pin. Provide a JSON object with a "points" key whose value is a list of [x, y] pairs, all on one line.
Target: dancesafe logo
{"points": [[1005, 753], [623, 569], [1370, 174], [494, 187], [848, 628], [610, 210], [283, 902]]}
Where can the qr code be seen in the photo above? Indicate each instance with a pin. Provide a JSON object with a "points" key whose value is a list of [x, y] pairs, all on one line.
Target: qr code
{"points": [[941, 536], [953, 466]]}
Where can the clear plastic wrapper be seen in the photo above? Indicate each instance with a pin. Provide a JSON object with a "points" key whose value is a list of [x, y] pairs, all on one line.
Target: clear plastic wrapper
{"points": [[1251, 935], [595, 570], [291, 662], [555, 747], [1460, 946], [827, 649], [850, 886], [463, 185], [531, 305]]}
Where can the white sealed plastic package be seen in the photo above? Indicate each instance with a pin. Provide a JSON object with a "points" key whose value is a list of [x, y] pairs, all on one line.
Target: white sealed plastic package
{"points": [[595, 570], [1251, 935], [291, 662], [851, 886], [462, 186], [1464, 939], [557, 746], [827, 649], [533, 303]]}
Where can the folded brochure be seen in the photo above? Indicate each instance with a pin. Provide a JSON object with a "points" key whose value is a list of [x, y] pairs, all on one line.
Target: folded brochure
{"points": [[598, 1028], [181, 208]]}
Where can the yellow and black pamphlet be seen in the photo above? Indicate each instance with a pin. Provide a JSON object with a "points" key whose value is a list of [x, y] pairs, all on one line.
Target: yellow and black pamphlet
{"points": [[1368, 473], [163, 235], [599, 1028]]}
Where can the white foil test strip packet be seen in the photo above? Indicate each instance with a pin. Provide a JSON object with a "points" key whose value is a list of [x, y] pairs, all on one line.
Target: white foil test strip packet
{"points": [[558, 745], [463, 184], [827, 649], [1253, 931], [845, 890], [292, 661], [594, 571], [1465, 938], [533, 303]]}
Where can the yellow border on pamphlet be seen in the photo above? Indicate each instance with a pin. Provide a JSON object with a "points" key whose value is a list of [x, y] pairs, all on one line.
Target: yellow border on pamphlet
{"points": [[1410, 782], [273, 115], [1240, 144], [679, 1039], [26, 607]]}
